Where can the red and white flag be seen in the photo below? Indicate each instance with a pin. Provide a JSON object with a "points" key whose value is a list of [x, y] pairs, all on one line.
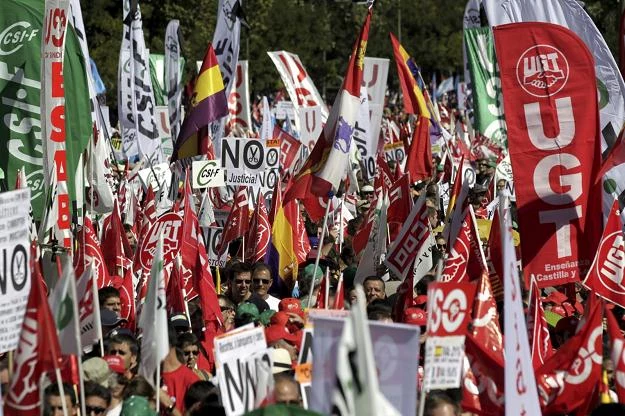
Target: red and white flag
{"points": [[238, 220], [258, 233], [38, 351], [538, 329], [115, 246], [606, 273], [574, 368], [410, 241], [326, 166], [617, 342], [88, 252], [547, 75], [466, 259]]}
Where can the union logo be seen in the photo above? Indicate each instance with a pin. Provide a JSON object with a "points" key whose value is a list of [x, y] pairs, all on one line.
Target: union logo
{"points": [[542, 70], [611, 263]]}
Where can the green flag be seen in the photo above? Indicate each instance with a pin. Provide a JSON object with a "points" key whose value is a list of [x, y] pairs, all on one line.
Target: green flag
{"points": [[487, 97], [21, 23]]}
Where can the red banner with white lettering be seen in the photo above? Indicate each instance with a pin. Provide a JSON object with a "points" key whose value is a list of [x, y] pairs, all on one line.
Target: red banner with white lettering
{"points": [[549, 89]]}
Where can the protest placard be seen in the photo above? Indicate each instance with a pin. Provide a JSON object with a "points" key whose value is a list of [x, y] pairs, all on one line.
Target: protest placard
{"points": [[207, 174], [14, 265], [244, 370], [396, 351]]}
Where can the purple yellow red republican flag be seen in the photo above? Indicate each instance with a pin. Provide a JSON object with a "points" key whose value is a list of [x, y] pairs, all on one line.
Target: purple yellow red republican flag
{"points": [[208, 104]]}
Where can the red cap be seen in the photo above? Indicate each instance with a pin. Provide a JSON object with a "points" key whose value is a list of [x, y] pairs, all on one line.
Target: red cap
{"points": [[116, 363], [290, 305], [555, 297], [415, 316], [274, 333]]}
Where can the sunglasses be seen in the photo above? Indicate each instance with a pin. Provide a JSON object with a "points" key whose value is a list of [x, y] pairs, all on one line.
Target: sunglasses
{"points": [[242, 282], [226, 308], [117, 352], [194, 352], [262, 281], [95, 409]]}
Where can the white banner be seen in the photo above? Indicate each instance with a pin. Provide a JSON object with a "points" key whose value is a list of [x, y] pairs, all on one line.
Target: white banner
{"points": [[240, 120], [136, 96], [375, 74], [53, 115], [396, 351], [298, 83], [520, 381], [173, 78], [226, 39], [207, 174], [362, 138], [14, 265], [161, 114]]}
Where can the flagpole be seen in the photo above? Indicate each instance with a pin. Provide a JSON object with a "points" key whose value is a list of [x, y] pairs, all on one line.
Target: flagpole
{"points": [[319, 247], [243, 249], [81, 383], [341, 225], [326, 295], [156, 357], [59, 381], [218, 280]]}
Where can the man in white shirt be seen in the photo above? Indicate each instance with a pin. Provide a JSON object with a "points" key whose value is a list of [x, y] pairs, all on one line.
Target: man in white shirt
{"points": [[261, 282]]}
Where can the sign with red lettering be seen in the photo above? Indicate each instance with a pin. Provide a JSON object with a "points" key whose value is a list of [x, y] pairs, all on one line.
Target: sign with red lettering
{"points": [[298, 83], [53, 115], [547, 76], [170, 226]]}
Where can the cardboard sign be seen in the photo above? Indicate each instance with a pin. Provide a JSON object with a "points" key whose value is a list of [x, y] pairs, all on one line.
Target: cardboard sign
{"points": [[396, 351], [212, 238], [244, 370], [245, 158], [15, 277], [207, 174], [285, 109], [449, 314]]}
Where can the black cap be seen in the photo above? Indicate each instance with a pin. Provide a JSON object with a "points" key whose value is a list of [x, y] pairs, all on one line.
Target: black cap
{"points": [[110, 318]]}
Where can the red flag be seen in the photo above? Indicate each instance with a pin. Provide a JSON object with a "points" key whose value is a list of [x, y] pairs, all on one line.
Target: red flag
{"points": [[383, 177], [359, 242], [617, 343], [488, 371], [606, 273], [547, 75], [400, 200], [466, 259], [115, 246], [325, 167], [174, 295], [147, 218], [485, 327], [126, 298], [258, 233], [538, 330], [405, 298], [419, 158], [238, 220], [321, 294], [289, 149], [38, 350], [574, 368], [89, 250]]}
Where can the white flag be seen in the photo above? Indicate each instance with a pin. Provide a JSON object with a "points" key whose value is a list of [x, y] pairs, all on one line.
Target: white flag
{"points": [[373, 254], [88, 309], [153, 320], [357, 391], [64, 308], [521, 396], [100, 189]]}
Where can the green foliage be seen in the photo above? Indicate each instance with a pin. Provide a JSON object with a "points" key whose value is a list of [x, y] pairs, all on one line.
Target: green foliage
{"points": [[321, 32]]}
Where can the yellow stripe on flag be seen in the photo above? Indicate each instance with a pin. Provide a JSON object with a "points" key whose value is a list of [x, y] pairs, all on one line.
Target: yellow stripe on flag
{"points": [[208, 83]]}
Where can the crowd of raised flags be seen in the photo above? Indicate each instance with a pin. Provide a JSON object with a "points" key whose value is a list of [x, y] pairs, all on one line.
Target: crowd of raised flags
{"points": [[472, 237]]}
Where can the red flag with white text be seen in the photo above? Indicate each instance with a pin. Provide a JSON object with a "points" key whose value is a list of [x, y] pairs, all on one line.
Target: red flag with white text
{"points": [[606, 273], [547, 77], [238, 219]]}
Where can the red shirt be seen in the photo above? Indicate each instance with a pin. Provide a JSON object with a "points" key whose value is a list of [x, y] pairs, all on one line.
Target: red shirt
{"points": [[177, 382]]}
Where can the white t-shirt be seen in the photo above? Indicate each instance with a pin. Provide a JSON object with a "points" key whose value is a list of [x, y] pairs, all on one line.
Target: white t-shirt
{"points": [[273, 303]]}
